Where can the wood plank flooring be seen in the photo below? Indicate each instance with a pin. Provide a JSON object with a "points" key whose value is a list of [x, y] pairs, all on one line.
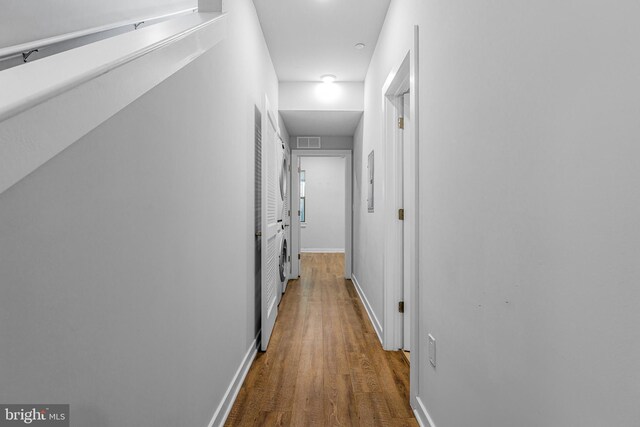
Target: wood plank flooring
{"points": [[324, 365]]}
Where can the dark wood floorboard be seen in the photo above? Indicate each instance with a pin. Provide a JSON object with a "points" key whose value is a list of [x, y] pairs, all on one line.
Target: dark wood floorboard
{"points": [[324, 365]]}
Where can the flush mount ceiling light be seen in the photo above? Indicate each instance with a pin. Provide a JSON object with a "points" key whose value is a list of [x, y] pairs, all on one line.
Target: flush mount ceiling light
{"points": [[328, 78], [359, 46]]}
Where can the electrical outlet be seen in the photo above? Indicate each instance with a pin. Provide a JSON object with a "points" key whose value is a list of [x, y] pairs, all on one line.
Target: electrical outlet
{"points": [[432, 350]]}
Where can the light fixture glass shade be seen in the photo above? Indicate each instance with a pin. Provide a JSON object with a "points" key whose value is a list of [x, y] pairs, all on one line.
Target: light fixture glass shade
{"points": [[328, 78]]}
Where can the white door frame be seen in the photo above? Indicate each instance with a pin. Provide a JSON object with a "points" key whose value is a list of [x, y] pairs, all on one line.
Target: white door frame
{"points": [[295, 204], [402, 77]]}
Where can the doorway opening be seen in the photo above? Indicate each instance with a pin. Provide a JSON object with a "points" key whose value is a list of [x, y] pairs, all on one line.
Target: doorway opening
{"points": [[321, 192], [401, 213]]}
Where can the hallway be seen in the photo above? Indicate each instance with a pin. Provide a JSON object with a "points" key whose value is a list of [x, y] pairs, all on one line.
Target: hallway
{"points": [[163, 173], [324, 364]]}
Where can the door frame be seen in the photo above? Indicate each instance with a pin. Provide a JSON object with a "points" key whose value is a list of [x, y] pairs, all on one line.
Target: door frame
{"points": [[295, 204], [403, 77]]}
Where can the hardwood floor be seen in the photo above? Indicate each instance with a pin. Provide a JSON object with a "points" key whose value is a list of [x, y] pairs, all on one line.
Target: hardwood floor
{"points": [[324, 365]]}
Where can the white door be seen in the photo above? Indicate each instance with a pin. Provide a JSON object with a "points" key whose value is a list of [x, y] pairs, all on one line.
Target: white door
{"points": [[407, 240], [287, 218], [270, 226], [295, 233]]}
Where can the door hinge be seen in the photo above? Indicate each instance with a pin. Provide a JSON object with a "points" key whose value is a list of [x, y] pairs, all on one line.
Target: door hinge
{"points": [[401, 214], [401, 307], [400, 122], [289, 212], [298, 256]]}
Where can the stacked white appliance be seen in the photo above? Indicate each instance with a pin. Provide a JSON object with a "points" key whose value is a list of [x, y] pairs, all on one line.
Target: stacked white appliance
{"points": [[284, 217]]}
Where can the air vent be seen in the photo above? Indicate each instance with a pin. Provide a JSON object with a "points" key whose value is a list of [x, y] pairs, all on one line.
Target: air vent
{"points": [[309, 142]]}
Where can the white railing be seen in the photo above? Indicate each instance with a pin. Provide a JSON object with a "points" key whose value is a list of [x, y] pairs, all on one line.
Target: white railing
{"points": [[47, 105], [25, 48]]}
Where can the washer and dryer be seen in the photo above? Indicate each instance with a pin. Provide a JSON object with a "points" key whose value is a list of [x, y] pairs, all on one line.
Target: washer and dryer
{"points": [[282, 212]]}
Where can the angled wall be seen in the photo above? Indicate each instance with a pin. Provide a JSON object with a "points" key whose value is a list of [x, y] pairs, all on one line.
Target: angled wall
{"points": [[127, 261]]}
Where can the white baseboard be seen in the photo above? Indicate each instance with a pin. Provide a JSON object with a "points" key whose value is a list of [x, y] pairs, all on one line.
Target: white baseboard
{"points": [[322, 250], [223, 410], [422, 415], [372, 316]]}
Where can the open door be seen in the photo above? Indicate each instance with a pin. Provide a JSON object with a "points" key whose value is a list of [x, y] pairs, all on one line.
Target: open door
{"points": [[270, 226], [407, 202]]}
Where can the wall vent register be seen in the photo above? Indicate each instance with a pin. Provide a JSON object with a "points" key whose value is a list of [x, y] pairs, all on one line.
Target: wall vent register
{"points": [[309, 142]]}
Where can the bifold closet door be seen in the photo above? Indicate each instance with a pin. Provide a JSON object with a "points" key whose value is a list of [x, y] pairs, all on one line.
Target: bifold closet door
{"points": [[270, 249]]}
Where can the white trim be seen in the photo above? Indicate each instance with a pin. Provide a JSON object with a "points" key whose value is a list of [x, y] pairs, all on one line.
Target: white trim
{"points": [[49, 104], [348, 206], [321, 153], [422, 415], [348, 215], [372, 316], [296, 225], [416, 331], [397, 83], [322, 250], [224, 408]]}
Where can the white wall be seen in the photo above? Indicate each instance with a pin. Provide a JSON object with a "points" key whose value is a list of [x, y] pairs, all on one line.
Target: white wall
{"points": [[528, 214], [117, 255], [24, 21], [324, 198], [368, 235]]}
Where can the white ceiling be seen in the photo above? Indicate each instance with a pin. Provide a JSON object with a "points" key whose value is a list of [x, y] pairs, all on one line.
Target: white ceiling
{"points": [[321, 123], [309, 38]]}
